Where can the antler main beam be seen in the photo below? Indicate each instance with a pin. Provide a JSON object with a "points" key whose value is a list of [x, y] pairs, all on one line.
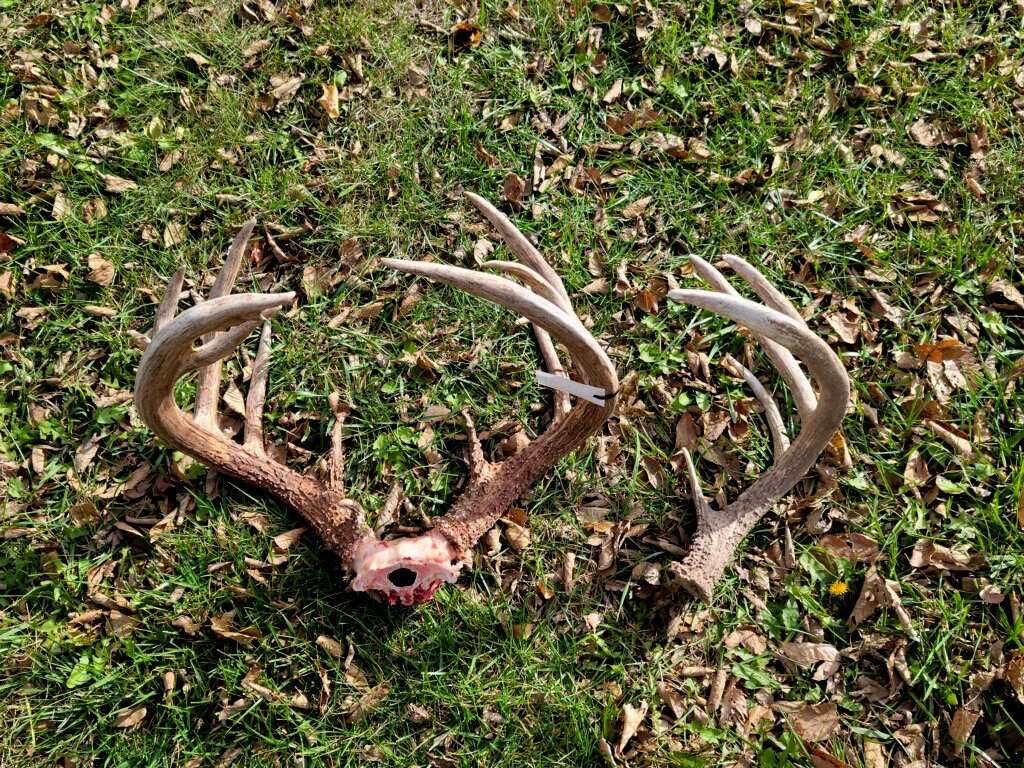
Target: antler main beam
{"points": [[788, 341], [406, 570]]}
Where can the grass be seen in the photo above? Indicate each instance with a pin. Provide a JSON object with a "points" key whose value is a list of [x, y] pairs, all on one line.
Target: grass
{"points": [[808, 130]]}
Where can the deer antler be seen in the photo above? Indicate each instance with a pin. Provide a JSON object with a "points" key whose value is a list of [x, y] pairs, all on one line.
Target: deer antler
{"points": [[493, 487], [405, 570], [780, 329]]}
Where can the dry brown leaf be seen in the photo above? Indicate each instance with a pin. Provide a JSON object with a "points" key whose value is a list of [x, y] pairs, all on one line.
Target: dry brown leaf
{"points": [[1008, 290], [11, 209], [256, 520], [284, 541], [186, 625], [874, 755], [122, 625], [466, 35], [960, 729], [750, 639], [84, 513], [852, 546], [822, 759], [815, 722], [130, 718], [367, 703], [284, 87], [879, 592], [518, 536], [513, 188], [7, 284], [884, 307], [331, 646], [222, 623], [613, 93], [632, 717], [94, 210], [418, 715], [61, 207], [929, 554], [116, 184], [174, 233], [328, 101], [925, 134], [958, 442], [847, 328], [916, 472], [636, 208], [654, 471], [809, 654], [86, 453], [8, 243], [1014, 674]]}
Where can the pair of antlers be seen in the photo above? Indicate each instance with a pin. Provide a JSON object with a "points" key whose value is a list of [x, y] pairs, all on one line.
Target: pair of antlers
{"points": [[409, 570]]}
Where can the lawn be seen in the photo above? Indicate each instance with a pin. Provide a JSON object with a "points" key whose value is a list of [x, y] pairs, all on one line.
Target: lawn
{"points": [[867, 155]]}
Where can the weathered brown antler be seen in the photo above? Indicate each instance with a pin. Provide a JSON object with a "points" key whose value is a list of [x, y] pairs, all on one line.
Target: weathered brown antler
{"points": [[406, 570], [780, 329]]}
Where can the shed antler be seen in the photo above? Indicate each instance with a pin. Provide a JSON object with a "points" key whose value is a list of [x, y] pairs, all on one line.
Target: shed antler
{"points": [[405, 570], [780, 329]]}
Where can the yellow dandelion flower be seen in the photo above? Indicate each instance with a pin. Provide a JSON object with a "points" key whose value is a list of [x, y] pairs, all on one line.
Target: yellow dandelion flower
{"points": [[839, 588]]}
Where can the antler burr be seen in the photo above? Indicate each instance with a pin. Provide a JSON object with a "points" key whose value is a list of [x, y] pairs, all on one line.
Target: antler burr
{"points": [[404, 570], [780, 329]]}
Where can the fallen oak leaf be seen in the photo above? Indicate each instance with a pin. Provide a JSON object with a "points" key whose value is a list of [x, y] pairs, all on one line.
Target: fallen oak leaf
{"points": [[964, 720], [116, 184], [328, 101], [1007, 289], [632, 717], [855, 547], [879, 592], [812, 722], [368, 702], [86, 453], [929, 554], [822, 759], [809, 654], [330, 645], [222, 623], [130, 718], [284, 541], [186, 625]]}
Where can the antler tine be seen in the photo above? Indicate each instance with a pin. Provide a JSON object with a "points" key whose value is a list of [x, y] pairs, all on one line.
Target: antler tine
{"points": [[222, 345], [522, 248], [547, 347], [208, 384], [257, 395], [532, 279], [803, 394], [720, 532], [336, 460], [780, 440], [550, 285], [700, 501], [169, 303], [768, 293]]}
